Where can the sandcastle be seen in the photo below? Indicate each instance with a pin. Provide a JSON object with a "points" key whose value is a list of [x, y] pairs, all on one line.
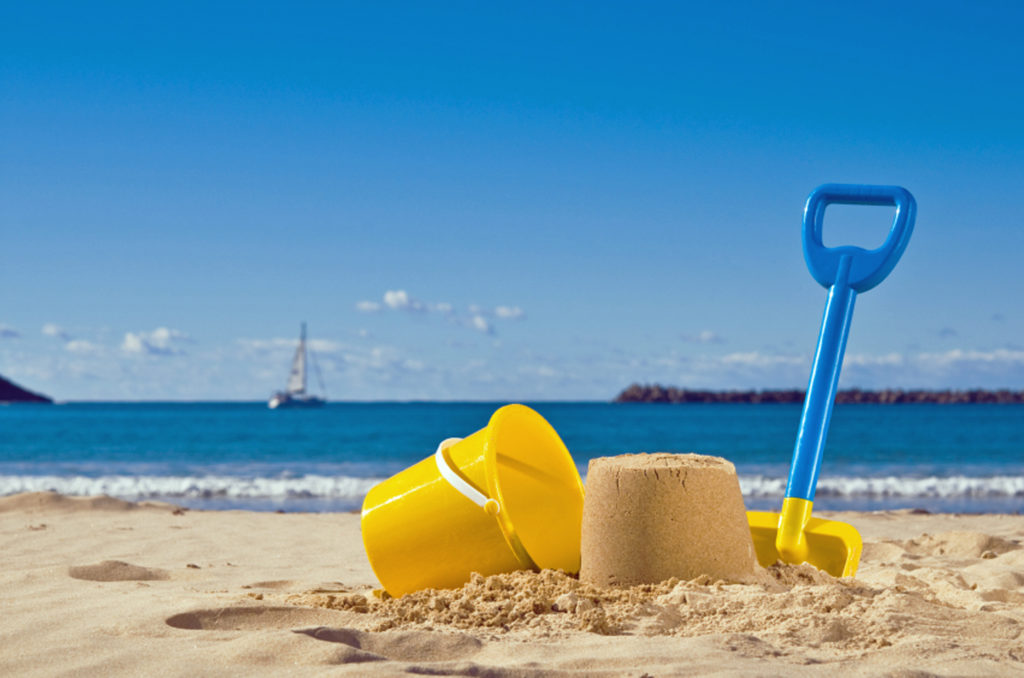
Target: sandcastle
{"points": [[650, 517]]}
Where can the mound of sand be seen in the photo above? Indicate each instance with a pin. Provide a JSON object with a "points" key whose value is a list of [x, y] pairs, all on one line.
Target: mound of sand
{"points": [[649, 517]]}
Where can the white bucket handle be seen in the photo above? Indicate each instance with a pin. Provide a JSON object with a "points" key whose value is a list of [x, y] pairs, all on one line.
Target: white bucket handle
{"points": [[461, 486]]}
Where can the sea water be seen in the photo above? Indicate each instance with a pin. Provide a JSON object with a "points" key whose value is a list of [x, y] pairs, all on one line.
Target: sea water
{"points": [[967, 458]]}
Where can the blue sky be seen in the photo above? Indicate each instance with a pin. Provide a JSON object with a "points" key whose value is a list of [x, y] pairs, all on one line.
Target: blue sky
{"points": [[508, 202]]}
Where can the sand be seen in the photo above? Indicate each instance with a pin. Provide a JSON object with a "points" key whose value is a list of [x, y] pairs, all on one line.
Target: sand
{"points": [[650, 517], [105, 587]]}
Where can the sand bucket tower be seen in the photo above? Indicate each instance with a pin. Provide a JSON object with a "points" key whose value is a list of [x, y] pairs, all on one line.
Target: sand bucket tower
{"points": [[650, 517]]}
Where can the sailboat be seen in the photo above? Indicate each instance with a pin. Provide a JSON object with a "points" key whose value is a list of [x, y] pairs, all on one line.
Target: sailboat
{"points": [[295, 394]]}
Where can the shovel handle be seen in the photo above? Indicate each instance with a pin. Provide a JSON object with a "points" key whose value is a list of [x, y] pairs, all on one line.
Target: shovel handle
{"points": [[821, 389], [867, 267], [845, 271]]}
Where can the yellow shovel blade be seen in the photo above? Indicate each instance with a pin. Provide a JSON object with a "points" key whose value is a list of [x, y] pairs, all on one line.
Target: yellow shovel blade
{"points": [[832, 546]]}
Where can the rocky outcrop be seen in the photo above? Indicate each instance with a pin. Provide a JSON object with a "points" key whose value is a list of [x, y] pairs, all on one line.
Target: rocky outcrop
{"points": [[655, 393], [12, 393]]}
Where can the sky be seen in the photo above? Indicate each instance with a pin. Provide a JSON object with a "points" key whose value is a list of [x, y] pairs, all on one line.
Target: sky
{"points": [[499, 201]]}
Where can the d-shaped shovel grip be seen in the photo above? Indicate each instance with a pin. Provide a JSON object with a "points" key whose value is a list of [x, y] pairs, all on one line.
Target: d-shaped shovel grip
{"points": [[867, 267]]}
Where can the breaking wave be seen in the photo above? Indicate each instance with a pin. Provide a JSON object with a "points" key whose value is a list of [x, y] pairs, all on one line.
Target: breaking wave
{"points": [[343, 488], [902, 487], [352, 489]]}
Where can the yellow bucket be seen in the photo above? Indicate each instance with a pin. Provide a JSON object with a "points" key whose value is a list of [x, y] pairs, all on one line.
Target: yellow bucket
{"points": [[506, 498]]}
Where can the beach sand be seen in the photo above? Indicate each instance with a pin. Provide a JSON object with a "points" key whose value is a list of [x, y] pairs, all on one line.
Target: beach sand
{"points": [[98, 586]]}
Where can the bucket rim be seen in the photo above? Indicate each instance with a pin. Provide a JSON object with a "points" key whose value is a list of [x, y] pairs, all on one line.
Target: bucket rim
{"points": [[508, 415]]}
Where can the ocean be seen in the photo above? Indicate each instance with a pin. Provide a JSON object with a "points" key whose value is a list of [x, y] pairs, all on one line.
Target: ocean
{"points": [[954, 458]]}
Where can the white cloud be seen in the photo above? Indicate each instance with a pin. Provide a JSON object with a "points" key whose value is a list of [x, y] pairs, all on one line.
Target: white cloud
{"points": [[133, 343], [381, 360], [509, 312], [956, 368], [480, 324], [959, 357], [82, 347], [703, 337], [475, 316], [265, 345], [53, 330], [401, 301], [998, 368], [7, 332], [162, 341], [861, 360], [396, 298], [758, 359], [324, 346], [368, 306]]}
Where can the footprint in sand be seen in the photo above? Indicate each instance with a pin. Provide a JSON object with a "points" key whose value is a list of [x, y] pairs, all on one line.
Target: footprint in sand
{"points": [[405, 646], [116, 570], [966, 545], [247, 618], [359, 646]]}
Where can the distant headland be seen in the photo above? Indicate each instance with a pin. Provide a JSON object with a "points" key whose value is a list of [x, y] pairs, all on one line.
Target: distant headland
{"points": [[655, 393], [12, 393]]}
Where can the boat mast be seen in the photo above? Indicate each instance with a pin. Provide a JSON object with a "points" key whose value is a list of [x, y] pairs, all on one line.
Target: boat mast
{"points": [[297, 378], [302, 347]]}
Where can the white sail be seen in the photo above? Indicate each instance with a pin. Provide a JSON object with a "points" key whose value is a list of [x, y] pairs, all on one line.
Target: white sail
{"points": [[295, 394], [297, 378]]}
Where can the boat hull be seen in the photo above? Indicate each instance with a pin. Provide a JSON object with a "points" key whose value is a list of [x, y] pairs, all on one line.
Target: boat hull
{"points": [[284, 401]]}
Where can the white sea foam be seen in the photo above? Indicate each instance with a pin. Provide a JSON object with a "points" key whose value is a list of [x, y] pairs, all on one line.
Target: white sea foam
{"points": [[347, 488], [949, 487], [198, 487]]}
